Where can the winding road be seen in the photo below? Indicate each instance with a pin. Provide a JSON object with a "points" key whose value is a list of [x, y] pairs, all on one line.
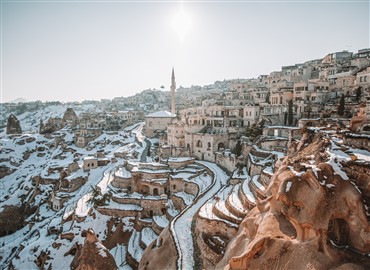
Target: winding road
{"points": [[181, 225]]}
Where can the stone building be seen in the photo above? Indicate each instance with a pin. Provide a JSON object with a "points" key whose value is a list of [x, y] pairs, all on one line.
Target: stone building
{"points": [[83, 136], [156, 123]]}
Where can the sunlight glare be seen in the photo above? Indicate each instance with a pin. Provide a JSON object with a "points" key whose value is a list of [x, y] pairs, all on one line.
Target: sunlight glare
{"points": [[181, 24]]}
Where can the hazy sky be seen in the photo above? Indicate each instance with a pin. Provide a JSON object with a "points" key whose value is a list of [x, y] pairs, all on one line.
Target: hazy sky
{"points": [[65, 50]]}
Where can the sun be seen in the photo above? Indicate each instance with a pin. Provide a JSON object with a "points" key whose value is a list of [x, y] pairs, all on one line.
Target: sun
{"points": [[181, 23]]}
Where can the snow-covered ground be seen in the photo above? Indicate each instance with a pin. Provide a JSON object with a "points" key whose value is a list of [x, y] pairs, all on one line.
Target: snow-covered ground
{"points": [[181, 225], [32, 155]]}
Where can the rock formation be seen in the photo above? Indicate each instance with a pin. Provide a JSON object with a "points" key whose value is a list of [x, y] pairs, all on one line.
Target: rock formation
{"points": [[70, 118], [313, 218], [13, 126], [93, 255], [161, 254], [359, 120]]}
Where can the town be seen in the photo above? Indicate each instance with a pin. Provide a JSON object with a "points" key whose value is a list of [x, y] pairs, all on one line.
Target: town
{"points": [[178, 171]]}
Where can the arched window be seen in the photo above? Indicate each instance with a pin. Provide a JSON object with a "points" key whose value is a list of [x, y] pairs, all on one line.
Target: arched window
{"points": [[209, 145], [221, 145], [155, 191], [199, 143]]}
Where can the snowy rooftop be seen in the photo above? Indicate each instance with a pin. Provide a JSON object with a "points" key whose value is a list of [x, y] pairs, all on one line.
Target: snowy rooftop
{"points": [[162, 114]]}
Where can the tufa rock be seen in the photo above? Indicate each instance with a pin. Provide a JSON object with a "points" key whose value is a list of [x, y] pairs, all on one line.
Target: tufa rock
{"points": [[310, 220], [70, 118], [13, 126], [93, 255]]}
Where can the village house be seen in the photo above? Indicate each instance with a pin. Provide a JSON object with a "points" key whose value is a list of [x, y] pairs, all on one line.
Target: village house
{"points": [[85, 135], [156, 123]]}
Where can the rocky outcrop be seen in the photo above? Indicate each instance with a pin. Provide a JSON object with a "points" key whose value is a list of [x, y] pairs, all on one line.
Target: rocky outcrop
{"points": [[13, 126], [70, 118], [13, 218], [359, 120], [312, 217], [93, 255], [161, 254]]}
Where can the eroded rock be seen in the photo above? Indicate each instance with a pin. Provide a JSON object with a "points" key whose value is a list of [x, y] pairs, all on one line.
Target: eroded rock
{"points": [[93, 255], [13, 126]]}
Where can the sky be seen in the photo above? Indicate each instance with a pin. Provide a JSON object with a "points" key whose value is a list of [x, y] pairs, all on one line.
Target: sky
{"points": [[92, 50]]}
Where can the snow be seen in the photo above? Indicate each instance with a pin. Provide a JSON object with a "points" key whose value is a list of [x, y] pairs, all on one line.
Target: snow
{"points": [[180, 159], [148, 236], [161, 221], [243, 174], [234, 199], [25, 245], [83, 205], [89, 158], [257, 183], [102, 249], [186, 197], [360, 154], [288, 185], [295, 172], [123, 173], [161, 114], [181, 225], [207, 213], [247, 192], [122, 207], [202, 181], [77, 174], [134, 246], [335, 156], [268, 170], [119, 254], [221, 206]]}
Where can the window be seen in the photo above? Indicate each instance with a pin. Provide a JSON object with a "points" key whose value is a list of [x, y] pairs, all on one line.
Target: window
{"points": [[174, 187]]}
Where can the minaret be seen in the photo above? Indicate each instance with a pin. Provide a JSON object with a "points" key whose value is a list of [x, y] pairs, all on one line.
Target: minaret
{"points": [[173, 88]]}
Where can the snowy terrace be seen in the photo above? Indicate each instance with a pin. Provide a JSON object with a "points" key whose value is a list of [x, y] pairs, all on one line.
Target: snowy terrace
{"points": [[181, 225]]}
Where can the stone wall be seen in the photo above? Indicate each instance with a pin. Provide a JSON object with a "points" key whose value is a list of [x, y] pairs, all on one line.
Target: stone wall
{"points": [[227, 161], [177, 164], [119, 182], [274, 144], [215, 227], [357, 141], [118, 212], [191, 188]]}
